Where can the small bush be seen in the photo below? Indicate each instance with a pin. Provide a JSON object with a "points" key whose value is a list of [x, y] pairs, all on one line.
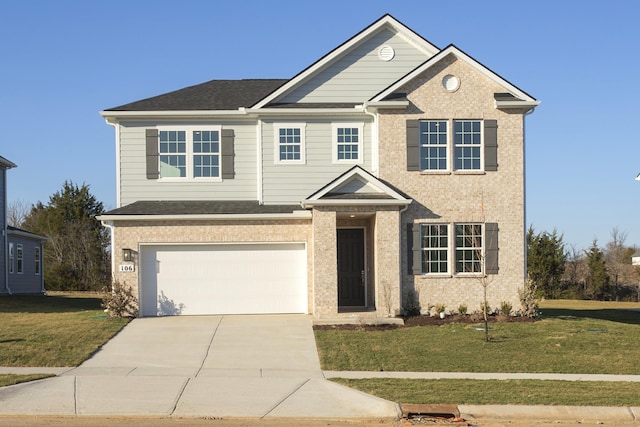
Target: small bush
{"points": [[488, 308], [440, 308], [530, 303], [119, 300], [411, 304], [462, 309], [505, 308]]}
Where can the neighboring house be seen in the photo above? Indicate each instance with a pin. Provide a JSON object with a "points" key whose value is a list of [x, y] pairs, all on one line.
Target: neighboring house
{"points": [[387, 166], [635, 258], [21, 252]]}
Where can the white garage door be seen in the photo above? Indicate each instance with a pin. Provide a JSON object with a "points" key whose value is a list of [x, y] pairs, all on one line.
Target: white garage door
{"points": [[223, 279]]}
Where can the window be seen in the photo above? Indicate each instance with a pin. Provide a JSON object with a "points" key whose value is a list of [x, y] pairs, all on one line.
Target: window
{"points": [[36, 261], [458, 145], [468, 248], [467, 144], [347, 147], [19, 258], [435, 248], [290, 143], [11, 256], [189, 153], [433, 145]]}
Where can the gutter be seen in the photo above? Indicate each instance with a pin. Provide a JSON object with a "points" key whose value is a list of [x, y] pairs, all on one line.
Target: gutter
{"points": [[200, 217]]}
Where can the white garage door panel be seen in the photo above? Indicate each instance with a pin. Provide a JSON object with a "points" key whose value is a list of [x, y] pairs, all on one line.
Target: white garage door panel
{"points": [[224, 279]]}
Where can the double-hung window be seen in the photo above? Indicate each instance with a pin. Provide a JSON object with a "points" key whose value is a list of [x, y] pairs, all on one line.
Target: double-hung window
{"points": [[469, 253], [467, 144], [36, 261], [19, 258], [454, 145], [189, 153], [347, 142], [289, 143], [11, 257], [435, 248]]}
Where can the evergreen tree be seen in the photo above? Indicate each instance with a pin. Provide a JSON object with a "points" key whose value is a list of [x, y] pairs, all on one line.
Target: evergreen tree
{"points": [[598, 281], [546, 259], [76, 256]]}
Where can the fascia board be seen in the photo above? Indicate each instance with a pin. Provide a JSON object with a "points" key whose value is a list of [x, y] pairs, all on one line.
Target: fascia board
{"points": [[357, 110], [386, 20], [111, 115], [355, 202], [28, 235], [451, 49], [213, 217], [517, 104]]}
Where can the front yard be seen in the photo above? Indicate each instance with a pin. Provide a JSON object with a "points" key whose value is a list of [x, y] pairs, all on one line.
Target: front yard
{"points": [[571, 337]]}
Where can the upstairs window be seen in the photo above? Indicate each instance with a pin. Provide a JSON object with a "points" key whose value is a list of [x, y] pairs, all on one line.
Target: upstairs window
{"points": [[433, 145], [189, 153], [347, 146], [290, 143], [467, 144]]}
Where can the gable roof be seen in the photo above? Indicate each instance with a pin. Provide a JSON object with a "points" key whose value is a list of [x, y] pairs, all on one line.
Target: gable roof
{"points": [[521, 98], [357, 187], [386, 21], [211, 95], [15, 231]]}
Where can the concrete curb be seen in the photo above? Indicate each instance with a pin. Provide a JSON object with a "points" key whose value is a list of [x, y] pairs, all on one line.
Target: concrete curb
{"points": [[577, 413]]}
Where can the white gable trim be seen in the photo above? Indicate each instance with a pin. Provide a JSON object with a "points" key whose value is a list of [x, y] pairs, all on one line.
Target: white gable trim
{"points": [[356, 172], [386, 21], [451, 49]]}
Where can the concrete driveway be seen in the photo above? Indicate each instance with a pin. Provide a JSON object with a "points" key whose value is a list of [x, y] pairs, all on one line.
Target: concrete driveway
{"points": [[202, 366]]}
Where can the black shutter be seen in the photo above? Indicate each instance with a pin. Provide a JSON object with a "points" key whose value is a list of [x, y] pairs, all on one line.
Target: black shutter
{"points": [[226, 144], [491, 145], [491, 249], [413, 145], [151, 137]]}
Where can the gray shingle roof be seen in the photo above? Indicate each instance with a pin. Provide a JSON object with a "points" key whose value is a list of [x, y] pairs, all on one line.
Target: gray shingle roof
{"points": [[208, 207], [211, 95]]}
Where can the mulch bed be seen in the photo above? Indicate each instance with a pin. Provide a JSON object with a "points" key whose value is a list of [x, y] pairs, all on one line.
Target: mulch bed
{"points": [[426, 320]]}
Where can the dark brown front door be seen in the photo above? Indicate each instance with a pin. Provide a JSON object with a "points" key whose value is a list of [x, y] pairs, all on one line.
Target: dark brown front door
{"points": [[351, 267]]}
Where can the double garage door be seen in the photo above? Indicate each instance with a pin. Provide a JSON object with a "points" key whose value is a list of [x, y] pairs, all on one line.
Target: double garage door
{"points": [[223, 279]]}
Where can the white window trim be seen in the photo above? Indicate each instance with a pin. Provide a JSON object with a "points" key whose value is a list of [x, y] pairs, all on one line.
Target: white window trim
{"points": [[276, 143], [189, 153], [482, 251], [451, 150], [450, 264], [334, 136], [37, 261], [12, 256]]}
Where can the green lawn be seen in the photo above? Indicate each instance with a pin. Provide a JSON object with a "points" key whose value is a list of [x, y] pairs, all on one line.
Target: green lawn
{"points": [[587, 338], [56, 330], [572, 337]]}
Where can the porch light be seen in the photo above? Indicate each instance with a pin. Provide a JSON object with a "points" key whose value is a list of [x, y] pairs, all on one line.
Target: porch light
{"points": [[126, 254]]}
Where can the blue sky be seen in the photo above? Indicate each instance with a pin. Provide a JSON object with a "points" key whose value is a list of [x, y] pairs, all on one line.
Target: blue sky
{"points": [[61, 62]]}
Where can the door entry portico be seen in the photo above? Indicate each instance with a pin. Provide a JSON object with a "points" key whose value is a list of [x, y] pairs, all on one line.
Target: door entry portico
{"points": [[351, 267]]}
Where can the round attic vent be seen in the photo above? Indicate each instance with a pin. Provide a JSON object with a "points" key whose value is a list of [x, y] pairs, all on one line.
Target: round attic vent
{"points": [[450, 82], [386, 53]]}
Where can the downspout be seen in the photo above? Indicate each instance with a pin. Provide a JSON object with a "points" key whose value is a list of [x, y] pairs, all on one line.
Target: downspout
{"points": [[375, 144], [5, 237]]}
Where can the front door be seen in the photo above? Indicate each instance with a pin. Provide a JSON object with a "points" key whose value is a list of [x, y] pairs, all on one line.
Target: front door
{"points": [[351, 276]]}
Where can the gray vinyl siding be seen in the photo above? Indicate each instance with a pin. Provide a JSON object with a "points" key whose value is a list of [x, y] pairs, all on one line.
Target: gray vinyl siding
{"points": [[26, 282], [3, 226], [283, 183], [135, 186], [360, 74]]}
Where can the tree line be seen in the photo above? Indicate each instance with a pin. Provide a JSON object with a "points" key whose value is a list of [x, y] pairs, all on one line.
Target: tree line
{"points": [[598, 273], [77, 255]]}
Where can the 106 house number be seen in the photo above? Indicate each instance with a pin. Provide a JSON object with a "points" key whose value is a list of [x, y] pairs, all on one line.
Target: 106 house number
{"points": [[127, 268]]}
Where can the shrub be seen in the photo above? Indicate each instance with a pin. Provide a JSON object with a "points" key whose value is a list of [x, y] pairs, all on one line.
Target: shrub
{"points": [[119, 300], [530, 303], [440, 308], [505, 308], [482, 308], [462, 309], [411, 304]]}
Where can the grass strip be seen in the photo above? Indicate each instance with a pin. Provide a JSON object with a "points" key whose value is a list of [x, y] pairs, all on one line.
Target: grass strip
{"points": [[12, 379], [57, 330], [499, 392]]}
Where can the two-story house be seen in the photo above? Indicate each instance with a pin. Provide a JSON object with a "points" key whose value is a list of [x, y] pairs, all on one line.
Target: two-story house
{"points": [[21, 252], [387, 166]]}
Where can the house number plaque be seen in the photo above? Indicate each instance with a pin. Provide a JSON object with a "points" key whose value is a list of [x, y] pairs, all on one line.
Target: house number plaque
{"points": [[128, 268]]}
